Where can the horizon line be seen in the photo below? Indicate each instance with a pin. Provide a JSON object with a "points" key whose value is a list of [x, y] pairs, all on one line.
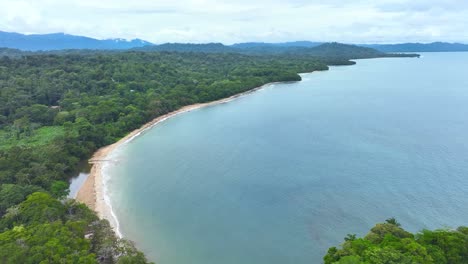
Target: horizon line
{"points": [[235, 43]]}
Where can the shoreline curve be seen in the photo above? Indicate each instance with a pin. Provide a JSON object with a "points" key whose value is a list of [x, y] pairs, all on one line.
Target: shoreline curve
{"points": [[93, 192]]}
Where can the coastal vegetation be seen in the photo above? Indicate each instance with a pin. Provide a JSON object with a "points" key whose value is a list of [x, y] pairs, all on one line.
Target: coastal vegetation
{"points": [[389, 243], [56, 109], [42, 229]]}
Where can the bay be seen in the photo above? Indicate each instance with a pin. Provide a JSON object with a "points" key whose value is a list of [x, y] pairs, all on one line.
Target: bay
{"points": [[281, 175]]}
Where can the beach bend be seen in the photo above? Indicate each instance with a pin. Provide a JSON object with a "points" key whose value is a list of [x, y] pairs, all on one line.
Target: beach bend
{"points": [[93, 191]]}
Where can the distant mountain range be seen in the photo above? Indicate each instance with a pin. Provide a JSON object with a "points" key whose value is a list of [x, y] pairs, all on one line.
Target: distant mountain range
{"points": [[402, 47], [327, 50], [321, 49], [189, 47], [61, 41], [304, 44], [419, 47]]}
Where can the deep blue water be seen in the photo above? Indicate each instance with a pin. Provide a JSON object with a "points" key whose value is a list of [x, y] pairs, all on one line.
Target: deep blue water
{"points": [[282, 174]]}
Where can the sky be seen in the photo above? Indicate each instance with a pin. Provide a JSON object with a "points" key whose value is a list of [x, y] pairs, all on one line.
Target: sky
{"points": [[201, 21]]}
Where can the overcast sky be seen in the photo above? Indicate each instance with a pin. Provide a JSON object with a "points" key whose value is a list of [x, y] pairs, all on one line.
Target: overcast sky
{"points": [[159, 21]]}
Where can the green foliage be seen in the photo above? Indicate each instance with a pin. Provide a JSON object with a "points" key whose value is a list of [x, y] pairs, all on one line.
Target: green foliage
{"points": [[12, 194], [59, 189], [38, 208], [350, 237], [45, 243], [130, 255], [42, 229], [388, 243], [324, 50], [380, 232], [349, 260], [38, 137], [57, 108], [393, 221]]}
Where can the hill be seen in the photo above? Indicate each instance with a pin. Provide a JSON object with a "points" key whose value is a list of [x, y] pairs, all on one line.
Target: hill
{"points": [[305, 44], [189, 47], [331, 53], [344, 50], [401, 47], [60, 41], [325, 50], [419, 47], [244, 48]]}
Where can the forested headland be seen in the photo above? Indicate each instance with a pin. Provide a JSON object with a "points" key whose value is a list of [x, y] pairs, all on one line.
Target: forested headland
{"points": [[57, 108], [389, 243]]}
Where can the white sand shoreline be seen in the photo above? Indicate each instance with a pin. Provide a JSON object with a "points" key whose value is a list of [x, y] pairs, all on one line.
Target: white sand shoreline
{"points": [[94, 191]]}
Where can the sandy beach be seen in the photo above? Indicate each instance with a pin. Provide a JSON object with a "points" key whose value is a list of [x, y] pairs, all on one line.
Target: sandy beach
{"points": [[92, 192]]}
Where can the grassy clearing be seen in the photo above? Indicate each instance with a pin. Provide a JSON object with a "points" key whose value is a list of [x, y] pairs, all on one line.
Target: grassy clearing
{"points": [[41, 136]]}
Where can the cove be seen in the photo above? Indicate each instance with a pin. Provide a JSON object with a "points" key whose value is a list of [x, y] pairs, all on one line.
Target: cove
{"points": [[284, 173]]}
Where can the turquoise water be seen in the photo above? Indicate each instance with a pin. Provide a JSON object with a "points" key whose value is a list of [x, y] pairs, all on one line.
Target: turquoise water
{"points": [[282, 174]]}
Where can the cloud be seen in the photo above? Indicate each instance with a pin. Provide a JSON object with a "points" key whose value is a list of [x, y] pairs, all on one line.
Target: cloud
{"points": [[358, 21], [423, 5]]}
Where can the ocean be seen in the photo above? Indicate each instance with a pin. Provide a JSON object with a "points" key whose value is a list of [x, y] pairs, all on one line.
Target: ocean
{"points": [[282, 174]]}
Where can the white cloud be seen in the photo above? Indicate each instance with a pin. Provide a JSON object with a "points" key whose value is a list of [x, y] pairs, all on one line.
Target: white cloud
{"points": [[161, 21]]}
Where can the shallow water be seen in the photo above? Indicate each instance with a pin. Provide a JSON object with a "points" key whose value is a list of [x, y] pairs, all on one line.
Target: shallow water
{"points": [[76, 183], [282, 174]]}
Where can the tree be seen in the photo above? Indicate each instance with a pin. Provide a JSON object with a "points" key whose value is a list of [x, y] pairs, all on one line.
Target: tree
{"points": [[389, 243], [393, 221], [350, 237], [59, 189], [12, 194], [40, 207], [44, 243], [22, 125]]}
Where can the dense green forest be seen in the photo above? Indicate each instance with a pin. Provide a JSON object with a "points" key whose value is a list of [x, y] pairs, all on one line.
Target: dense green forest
{"points": [[389, 243], [73, 104], [56, 109]]}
